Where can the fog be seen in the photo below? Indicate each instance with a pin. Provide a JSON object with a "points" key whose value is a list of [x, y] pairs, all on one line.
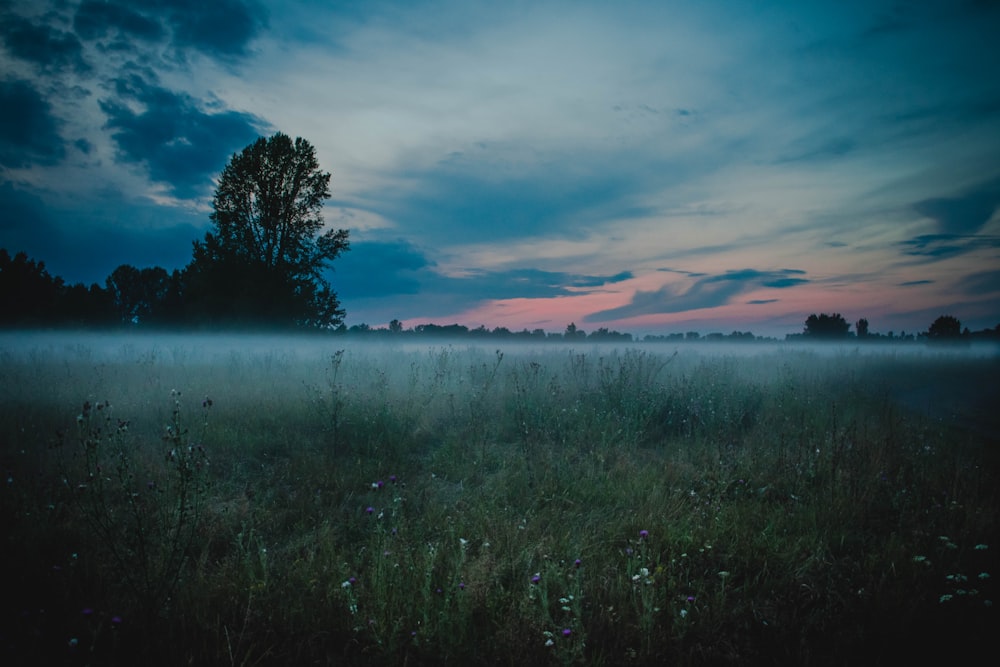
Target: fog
{"points": [[214, 348]]}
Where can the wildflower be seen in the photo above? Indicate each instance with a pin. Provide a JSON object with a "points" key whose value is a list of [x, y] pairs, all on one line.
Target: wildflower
{"points": [[462, 541], [116, 620], [567, 632], [346, 584], [684, 613], [549, 642], [690, 598], [392, 478], [369, 509], [461, 585], [536, 578], [353, 581], [643, 534], [577, 562]]}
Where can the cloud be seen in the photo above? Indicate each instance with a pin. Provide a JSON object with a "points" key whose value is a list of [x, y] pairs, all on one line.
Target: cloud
{"points": [[483, 196], [96, 20], [914, 283], [181, 144], [378, 269], [220, 28], [943, 246], [981, 283], [761, 302], [43, 45], [86, 241], [29, 133], [965, 213], [708, 292]]}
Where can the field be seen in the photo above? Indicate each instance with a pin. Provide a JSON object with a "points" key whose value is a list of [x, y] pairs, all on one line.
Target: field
{"points": [[255, 501]]}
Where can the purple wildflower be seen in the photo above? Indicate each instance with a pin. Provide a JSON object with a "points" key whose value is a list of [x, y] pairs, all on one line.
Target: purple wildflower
{"points": [[643, 534], [369, 509], [567, 632], [536, 578]]}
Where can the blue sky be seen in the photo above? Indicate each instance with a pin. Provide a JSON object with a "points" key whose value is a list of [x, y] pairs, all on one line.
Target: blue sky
{"points": [[643, 166]]}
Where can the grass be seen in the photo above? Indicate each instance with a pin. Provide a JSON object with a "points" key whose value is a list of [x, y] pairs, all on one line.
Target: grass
{"points": [[471, 506]]}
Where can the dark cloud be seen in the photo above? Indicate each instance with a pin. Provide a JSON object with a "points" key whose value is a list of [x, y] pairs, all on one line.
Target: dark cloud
{"points": [[43, 45], [96, 20], [965, 213], [480, 197], [521, 283], [395, 279], [86, 242], [373, 269], [709, 292], [180, 144], [914, 283], [761, 302], [29, 132], [376, 269], [943, 246], [220, 28], [977, 284]]}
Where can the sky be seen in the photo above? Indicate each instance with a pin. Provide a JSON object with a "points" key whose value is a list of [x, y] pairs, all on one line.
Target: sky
{"points": [[646, 167]]}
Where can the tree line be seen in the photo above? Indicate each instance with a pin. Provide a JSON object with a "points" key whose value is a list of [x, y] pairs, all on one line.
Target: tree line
{"points": [[154, 298]]}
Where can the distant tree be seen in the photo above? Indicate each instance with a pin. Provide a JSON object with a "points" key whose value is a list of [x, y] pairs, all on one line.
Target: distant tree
{"points": [[265, 259], [945, 328], [572, 333], [861, 327], [396, 326], [826, 326]]}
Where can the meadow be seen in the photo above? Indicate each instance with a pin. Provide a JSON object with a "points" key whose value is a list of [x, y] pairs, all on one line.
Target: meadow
{"points": [[268, 501]]}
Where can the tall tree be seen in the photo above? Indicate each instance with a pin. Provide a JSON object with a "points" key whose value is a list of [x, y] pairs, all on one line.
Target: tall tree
{"points": [[264, 262]]}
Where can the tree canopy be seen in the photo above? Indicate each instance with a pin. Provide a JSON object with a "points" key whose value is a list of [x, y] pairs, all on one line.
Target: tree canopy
{"points": [[264, 262], [826, 326], [946, 327]]}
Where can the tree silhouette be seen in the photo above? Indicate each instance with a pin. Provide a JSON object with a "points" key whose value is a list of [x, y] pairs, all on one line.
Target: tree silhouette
{"points": [[139, 296], [861, 327], [264, 261], [826, 326], [944, 328]]}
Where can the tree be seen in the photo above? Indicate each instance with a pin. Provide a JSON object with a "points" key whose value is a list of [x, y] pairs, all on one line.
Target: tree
{"points": [[861, 327], [945, 327], [264, 262], [139, 296], [826, 326]]}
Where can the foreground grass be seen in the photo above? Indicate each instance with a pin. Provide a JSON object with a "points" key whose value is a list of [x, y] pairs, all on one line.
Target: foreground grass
{"points": [[472, 506]]}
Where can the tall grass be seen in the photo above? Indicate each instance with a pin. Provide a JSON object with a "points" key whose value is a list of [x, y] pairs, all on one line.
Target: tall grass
{"points": [[479, 506]]}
